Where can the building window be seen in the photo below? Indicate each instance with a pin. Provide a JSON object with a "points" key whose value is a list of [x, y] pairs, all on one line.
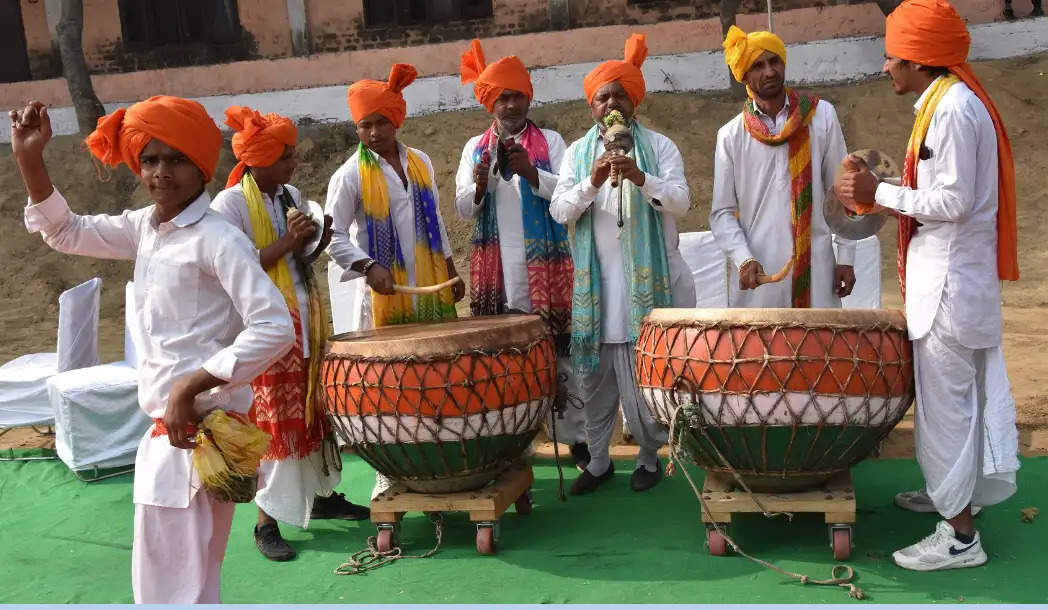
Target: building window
{"points": [[421, 12], [148, 24]]}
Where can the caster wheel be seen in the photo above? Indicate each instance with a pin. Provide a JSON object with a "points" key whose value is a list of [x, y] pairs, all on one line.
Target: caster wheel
{"points": [[386, 540], [486, 544], [523, 503], [718, 545], [841, 544]]}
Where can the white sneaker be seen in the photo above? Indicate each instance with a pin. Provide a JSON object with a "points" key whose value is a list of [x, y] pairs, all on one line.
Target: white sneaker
{"points": [[919, 502], [941, 551]]}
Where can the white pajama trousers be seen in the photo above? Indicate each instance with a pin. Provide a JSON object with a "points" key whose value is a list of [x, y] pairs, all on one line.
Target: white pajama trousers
{"points": [[615, 383], [965, 433], [288, 487], [177, 554]]}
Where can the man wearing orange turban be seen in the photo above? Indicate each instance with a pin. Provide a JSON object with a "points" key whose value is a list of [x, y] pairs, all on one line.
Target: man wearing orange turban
{"points": [[209, 320], [387, 225], [505, 179], [258, 200], [772, 166], [622, 199], [957, 240]]}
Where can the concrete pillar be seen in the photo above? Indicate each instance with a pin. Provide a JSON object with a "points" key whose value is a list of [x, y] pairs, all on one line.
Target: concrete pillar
{"points": [[299, 24], [559, 14]]}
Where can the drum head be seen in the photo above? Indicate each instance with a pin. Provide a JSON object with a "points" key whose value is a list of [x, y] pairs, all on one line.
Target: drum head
{"points": [[839, 219], [439, 338], [316, 214], [812, 318]]}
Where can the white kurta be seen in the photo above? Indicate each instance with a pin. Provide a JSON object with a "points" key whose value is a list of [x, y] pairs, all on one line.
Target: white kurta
{"points": [[750, 216], [571, 199], [202, 301], [508, 212], [967, 442], [509, 216], [287, 487]]}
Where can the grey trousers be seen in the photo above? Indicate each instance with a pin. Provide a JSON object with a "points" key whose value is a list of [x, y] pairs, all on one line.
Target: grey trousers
{"points": [[613, 383], [571, 424]]}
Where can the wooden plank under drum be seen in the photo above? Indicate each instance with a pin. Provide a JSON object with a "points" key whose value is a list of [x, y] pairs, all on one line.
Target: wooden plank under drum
{"points": [[835, 499], [485, 504]]}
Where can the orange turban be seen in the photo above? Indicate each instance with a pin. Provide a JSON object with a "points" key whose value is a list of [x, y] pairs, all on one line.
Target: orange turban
{"points": [[506, 73], [931, 33], [181, 124], [259, 140], [366, 97], [627, 72]]}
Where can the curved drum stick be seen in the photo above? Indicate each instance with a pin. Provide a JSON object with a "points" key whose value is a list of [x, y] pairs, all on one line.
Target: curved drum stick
{"points": [[778, 277], [426, 289]]}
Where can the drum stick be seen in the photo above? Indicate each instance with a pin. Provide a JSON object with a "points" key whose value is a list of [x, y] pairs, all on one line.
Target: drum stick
{"points": [[426, 289], [778, 277]]}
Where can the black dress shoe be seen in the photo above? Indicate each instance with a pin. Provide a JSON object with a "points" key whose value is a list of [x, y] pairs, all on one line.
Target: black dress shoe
{"points": [[271, 544], [580, 453], [336, 506], [588, 482], [644, 479]]}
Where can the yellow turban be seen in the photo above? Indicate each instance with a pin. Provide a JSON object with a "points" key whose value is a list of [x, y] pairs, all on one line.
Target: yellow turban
{"points": [[742, 49]]}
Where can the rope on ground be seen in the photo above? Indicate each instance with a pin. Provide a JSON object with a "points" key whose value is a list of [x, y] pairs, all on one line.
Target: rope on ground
{"points": [[840, 575], [371, 558]]}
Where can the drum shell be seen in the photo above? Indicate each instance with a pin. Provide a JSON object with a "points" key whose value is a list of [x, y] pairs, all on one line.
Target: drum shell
{"points": [[786, 398], [443, 422]]}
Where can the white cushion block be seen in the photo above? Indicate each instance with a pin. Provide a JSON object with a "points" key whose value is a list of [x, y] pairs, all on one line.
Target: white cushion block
{"points": [[97, 418], [23, 390], [709, 267], [867, 291]]}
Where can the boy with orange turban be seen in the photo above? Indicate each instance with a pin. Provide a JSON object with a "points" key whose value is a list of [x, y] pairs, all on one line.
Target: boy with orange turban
{"points": [[621, 272], [772, 166], [210, 320], [387, 224], [957, 240], [297, 481], [520, 258]]}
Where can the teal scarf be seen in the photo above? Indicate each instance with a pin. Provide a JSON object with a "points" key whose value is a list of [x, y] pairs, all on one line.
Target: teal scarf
{"points": [[643, 254]]}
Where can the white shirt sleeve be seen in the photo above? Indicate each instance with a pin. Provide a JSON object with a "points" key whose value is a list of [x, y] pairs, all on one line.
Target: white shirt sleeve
{"points": [[952, 196], [548, 180], [100, 235], [670, 188], [723, 220], [232, 205], [268, 332], [343, 199], [836, 151], [570, 199], [465, 186]]}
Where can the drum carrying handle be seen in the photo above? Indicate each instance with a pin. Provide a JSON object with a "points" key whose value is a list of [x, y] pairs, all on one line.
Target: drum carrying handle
{"points": [[427, 289]]}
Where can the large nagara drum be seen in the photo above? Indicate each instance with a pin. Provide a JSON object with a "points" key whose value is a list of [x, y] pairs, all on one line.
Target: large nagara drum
{"points": [[442, 407], [786, 398]]}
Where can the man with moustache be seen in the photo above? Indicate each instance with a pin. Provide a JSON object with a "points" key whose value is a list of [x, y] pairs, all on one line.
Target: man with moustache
{"points": [[621, 273], [773, 164]]}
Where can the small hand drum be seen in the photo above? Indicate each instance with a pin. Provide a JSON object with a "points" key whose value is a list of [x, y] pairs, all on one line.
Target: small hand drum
{"points": [[844, 222], [312, 249]]}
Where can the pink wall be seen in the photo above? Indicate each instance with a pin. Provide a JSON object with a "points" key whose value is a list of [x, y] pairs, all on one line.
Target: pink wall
{"points": [[266, 20], [543, 49], [34, 20]]}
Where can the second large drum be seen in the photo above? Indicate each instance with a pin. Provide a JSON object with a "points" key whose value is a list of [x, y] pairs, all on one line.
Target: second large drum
{"points": [[442, 407]]}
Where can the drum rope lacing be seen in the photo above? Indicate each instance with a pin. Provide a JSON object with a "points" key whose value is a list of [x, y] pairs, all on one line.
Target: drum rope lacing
{"points": [[842, 581], [371, 558]]}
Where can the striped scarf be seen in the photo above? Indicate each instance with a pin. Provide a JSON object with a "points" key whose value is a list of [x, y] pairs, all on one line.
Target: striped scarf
{"points": [[643, 244], [287, 405], [907, 224], [385, 247], [546, 247], [795, 133]]}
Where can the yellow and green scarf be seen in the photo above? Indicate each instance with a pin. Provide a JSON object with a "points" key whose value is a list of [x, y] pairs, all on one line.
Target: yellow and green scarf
{"points": [[384, 244], [795, 134], [287, 404]]}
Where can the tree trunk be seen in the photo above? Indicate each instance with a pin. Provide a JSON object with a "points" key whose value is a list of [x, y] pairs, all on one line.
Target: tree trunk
{"points": [[728, 10], [887, 6], [74, 66]]}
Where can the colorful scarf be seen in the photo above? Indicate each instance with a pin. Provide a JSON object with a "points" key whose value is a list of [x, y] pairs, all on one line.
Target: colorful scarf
{"points": [[795, 133], [907, 224], [546, 247], [287, 404], [384, 244], [647, 269]]}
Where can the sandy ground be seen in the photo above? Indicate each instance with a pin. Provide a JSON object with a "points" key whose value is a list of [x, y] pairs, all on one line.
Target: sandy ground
{"points": [[871, 114]]}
